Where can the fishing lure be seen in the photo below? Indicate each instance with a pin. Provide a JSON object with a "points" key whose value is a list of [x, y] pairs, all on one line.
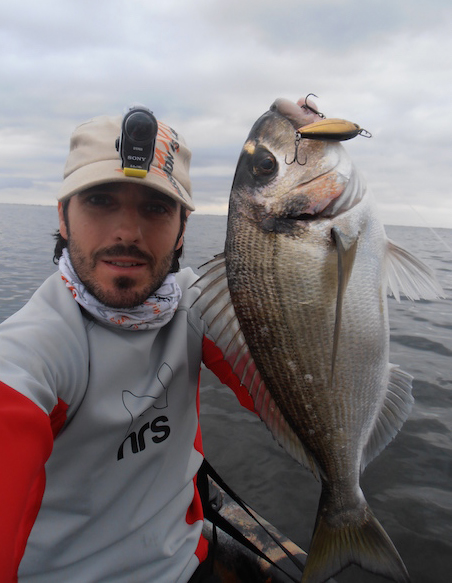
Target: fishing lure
{"points": [[332, 129], [337, 130]]}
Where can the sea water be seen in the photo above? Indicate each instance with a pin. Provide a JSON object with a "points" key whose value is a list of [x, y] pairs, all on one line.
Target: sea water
{"points": [[409, 485]]}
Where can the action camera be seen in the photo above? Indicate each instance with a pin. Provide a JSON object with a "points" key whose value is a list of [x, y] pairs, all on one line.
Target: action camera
{"points": [[136, 145]]}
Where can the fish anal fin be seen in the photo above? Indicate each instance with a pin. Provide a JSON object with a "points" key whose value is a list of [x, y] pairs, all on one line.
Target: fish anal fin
{"points": [[361, 541], [346, 246], [410, 276], [394, 412]]}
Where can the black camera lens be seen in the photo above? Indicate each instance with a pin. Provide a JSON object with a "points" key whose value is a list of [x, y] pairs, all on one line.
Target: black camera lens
{"points": [[136, 145], [140, 127]]}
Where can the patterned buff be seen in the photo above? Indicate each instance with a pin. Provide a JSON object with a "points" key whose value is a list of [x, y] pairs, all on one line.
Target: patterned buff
{"points": [[155, 312]]}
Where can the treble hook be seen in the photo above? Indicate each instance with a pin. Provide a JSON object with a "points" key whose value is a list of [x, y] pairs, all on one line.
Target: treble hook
{"points": [[295, 156], [306, 106]]}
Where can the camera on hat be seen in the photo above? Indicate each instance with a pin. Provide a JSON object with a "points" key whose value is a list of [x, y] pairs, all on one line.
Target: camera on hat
{"points": [[136, 145]]}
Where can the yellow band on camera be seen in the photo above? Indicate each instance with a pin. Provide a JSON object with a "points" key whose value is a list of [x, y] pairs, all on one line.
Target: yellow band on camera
{"points": [[135, 172]]}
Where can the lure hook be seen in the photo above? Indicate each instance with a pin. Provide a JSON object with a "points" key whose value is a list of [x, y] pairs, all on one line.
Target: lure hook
{"points": [[295, 156], [306, 106]]}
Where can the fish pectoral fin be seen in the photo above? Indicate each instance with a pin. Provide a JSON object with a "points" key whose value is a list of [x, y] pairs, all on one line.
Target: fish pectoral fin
{"points": [[223, 328], [410, 276], [346, 251], [215, 305], [359, 540], [394, 412]]}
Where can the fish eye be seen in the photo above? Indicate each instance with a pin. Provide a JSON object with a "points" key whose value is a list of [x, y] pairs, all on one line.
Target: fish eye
{"points": [[264, 163]]}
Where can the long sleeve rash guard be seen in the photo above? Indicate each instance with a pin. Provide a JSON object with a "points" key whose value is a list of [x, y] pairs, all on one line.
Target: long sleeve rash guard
{"points": [[101, 444]]}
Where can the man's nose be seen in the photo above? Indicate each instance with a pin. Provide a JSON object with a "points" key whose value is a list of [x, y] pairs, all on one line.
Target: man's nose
{"points": [[128, 226]]}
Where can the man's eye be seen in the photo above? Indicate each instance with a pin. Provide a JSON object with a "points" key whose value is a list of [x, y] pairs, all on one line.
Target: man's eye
{"points": [[156, 208], [99, 199]]}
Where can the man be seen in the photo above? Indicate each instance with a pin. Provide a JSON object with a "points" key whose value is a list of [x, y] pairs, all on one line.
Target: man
{"points": [[99, 381]]}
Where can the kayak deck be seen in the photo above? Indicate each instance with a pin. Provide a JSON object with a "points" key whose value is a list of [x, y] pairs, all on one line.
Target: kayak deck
{"points": [[244, 547]]}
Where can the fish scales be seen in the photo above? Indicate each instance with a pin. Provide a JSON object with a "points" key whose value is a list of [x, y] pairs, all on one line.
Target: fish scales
{"points": [[276, 281], [302, 318]]}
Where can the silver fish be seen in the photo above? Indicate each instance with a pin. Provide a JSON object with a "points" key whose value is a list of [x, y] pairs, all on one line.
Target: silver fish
{"points": [[297, 302]]}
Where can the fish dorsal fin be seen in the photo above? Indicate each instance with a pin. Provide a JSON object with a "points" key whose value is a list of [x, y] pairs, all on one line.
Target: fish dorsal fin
{"points": [[217, 311], [396, 408], [346, 251], [410, 276]]}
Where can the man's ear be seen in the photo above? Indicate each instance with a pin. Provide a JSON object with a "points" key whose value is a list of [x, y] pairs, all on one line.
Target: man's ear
{"points": [[180, 241], [62, 221]]}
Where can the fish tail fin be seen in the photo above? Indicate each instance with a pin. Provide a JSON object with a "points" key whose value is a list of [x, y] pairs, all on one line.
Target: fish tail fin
{"points": [[333, 548]]}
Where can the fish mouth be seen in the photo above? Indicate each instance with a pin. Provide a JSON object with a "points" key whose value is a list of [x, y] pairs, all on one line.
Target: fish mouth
{"points": [[300, 217], [304, 204], [298, 212], [286, 222]]}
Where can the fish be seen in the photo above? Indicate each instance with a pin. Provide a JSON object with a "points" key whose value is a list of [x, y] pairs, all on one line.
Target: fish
{"points": [[297, 302]]}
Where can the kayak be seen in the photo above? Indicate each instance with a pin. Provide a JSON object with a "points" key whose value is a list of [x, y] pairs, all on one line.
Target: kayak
{"points": [[244, 547]]}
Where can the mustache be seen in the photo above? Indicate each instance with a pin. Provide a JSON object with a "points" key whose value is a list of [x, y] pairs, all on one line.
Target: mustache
{"points": [[123, 250]]}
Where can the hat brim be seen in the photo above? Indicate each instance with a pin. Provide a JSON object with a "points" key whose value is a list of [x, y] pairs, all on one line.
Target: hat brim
{"points": [[107, 171]]}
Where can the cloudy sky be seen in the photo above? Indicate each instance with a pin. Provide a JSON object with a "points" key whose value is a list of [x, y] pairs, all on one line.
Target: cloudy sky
{"points": [[210, 68]]}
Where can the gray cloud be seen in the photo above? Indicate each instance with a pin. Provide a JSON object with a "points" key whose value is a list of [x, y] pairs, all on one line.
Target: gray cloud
{"points": [[9, 182], [212, 67]]}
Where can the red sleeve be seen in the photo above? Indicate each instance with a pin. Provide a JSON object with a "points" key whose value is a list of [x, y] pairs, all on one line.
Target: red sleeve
{"points": [[25, 445], [213, 359]]}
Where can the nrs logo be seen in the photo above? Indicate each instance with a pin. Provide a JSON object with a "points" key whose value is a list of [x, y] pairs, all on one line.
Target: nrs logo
{"points": [[158, 427], [157, 430]]}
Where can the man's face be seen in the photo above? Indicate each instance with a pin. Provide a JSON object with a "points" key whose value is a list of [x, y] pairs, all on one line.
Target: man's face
{"points": [[121, 241]]}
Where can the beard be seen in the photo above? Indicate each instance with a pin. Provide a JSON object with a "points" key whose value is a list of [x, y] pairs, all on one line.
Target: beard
{"points": [[122, 292]]}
